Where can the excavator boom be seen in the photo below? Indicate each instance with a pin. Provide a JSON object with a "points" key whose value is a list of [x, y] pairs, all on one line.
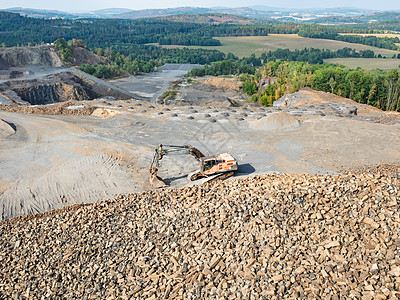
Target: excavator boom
{"points": [[163, 150]]}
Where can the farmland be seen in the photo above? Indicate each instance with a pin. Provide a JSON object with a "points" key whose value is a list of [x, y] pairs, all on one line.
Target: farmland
{"points": [[243, 46], [378, 35], [365, 63]]}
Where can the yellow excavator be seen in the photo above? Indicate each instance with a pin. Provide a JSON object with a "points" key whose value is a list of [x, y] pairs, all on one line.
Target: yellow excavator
{"points": [[211, 167]]}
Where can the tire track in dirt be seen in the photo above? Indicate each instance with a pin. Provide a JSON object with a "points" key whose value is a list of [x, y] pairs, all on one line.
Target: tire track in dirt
{"points": [[91, 179], [52, 174]]}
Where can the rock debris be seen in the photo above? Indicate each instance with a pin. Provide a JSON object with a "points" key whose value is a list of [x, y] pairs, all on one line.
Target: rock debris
{"points": [[268, 236]]}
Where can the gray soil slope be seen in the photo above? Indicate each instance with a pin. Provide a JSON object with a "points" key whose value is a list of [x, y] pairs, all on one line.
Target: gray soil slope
{"points": [[29, 56], [36, 75], [152, 85], [63, 164]]}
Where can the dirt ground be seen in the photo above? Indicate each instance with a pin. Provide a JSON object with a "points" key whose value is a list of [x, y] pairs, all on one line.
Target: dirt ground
{"points": [[151, 86], [210, 91], [106, 148]]}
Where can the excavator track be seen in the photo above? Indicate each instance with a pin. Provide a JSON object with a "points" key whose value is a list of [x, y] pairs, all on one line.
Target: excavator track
{"points": [[221, 176], [194, 176]]}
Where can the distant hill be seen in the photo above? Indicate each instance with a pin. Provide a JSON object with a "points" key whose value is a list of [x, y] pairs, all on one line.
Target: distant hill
{"points": [[336, 20], [269, 8], [214, 18], [54, 14], [39, 13], [304, 15], [363, 19], [338, 15], [252, 12], [382, 16], [343, 11], [151, 13], [104, 13], [247, 12], [111, 11]]}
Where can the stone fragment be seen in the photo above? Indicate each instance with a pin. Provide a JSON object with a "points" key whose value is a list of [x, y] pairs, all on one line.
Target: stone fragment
{"points": [[395, 271], [277, 236]]}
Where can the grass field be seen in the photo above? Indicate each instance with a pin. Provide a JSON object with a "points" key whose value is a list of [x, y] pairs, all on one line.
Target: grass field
{"points": [[379, 35], [366, 63], [246, 45]]}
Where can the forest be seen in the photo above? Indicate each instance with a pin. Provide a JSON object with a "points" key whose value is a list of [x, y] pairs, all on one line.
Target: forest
{"points": [[165, 55], [120, 33], [234, 66], [18, 30], [377, 88], [128, 45], [332, 33], [144, 59], [315, 56], [372, 27]]}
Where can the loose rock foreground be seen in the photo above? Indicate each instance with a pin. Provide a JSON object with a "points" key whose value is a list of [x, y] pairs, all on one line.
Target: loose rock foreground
{"points": [[277, 236]]}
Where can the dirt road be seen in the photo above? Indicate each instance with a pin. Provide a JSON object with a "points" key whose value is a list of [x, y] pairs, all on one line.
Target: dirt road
{"points": [[105, 84], [151, 86], [37, 72]]}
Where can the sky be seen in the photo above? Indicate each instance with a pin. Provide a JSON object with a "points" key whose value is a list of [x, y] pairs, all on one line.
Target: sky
{"points": [[89, 5]]}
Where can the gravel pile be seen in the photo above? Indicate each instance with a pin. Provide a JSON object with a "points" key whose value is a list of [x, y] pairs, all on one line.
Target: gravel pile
{"points": [[55, 109], [272, 236]]}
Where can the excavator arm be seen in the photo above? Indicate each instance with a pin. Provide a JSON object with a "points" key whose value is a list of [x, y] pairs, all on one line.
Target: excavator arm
{"points": [[163, 150]]}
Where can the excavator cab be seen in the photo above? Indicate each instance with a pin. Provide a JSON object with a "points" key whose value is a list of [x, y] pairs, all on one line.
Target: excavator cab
{"points": [[209, 164], [222, 163]]}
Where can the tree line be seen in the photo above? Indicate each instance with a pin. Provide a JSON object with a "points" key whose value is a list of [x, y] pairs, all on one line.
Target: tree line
{"points": [[146, 58], [169, 55], [132, 36], [333, 33], [234, 66], [377, 88], [314, 56], [20, 30], [374, 27]]}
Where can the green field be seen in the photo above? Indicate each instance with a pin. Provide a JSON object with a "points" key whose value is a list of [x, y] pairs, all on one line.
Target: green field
{"points": [[243, 46], [379, 35], [366, 63]]}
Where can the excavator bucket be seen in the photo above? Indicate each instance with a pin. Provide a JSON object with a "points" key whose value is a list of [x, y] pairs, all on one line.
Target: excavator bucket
{"points": [[157, 181]]}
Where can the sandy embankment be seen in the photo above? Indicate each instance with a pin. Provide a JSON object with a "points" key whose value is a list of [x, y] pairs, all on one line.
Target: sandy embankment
{"points": [[48, 163], [276, 121]]}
